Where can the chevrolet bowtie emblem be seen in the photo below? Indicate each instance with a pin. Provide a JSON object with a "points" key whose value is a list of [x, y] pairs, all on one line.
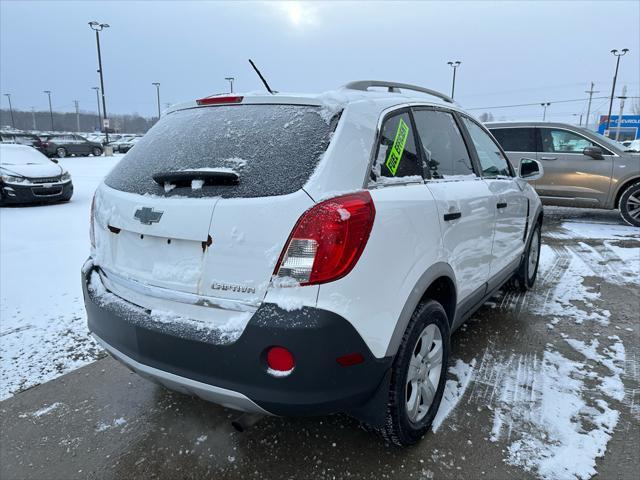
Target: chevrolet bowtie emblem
{"points": [[147, 215]]}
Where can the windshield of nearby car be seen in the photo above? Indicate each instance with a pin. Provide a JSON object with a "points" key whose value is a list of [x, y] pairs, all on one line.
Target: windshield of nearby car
{"points": [[21, 155], [272, 148]]}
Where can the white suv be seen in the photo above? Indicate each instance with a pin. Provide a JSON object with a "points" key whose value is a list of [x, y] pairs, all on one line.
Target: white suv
{"points": [[294, 255]]}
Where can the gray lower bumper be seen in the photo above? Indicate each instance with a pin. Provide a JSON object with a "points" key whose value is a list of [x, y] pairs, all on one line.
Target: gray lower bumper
{"points": [[221, 396]]}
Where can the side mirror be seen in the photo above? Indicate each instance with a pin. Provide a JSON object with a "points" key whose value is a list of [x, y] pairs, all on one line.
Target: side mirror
{"points": [[530, 169], [593, 152], [54, 160]]}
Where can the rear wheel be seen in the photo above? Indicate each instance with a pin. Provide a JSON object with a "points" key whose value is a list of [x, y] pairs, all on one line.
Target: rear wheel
{"points": [[418, 376], [61, 152], [630, 205], [96, 151]]}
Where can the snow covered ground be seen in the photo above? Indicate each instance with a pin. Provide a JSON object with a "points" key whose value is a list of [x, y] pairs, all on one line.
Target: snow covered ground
{"points": [[43, 330]]}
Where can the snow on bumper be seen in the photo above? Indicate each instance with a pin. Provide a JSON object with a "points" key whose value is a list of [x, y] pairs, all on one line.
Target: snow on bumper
{"points": [[202, 362]]}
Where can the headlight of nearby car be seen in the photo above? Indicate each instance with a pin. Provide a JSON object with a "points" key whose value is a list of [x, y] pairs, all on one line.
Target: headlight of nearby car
{"points": [[65, 176], [12, 179]]}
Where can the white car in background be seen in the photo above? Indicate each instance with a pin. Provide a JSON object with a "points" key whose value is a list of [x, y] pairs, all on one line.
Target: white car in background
{"points": [[311, 254], [28, 176]]}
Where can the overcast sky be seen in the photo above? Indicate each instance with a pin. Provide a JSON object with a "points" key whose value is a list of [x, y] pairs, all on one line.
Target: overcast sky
{"points": [[511, 53]]}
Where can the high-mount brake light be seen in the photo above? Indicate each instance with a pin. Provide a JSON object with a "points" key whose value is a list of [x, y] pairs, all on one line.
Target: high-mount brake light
{"points": [[219, 100], [328, 240]]}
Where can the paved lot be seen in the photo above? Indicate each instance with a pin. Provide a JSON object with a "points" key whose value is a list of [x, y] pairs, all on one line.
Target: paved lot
{"points": [[532, 357]]}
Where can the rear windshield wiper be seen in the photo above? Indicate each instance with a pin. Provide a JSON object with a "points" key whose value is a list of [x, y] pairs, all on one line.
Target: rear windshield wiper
{"points": [[183, 178]]}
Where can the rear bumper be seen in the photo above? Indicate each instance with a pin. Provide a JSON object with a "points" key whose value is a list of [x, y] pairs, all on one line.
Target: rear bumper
{"points": [[234, 374], [13, 194]]}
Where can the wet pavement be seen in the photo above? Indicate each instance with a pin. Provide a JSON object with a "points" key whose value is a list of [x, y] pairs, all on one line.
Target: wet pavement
{"points": [[102, 421]]}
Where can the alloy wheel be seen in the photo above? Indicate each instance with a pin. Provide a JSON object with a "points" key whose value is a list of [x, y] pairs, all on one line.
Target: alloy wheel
{"points": [[425, 368]]}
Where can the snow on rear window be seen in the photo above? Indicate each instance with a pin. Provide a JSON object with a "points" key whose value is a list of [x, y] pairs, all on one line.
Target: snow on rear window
{"points": [[273, 148]]}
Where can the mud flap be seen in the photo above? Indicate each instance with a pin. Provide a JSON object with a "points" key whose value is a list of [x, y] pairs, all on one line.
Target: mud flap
{"points": [[374, 411]]}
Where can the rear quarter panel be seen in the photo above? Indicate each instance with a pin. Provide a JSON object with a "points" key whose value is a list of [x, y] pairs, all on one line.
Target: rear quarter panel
{"points": [[404, 242]]}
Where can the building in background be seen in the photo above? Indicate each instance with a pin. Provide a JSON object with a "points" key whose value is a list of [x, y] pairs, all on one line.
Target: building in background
{"points": [[629, 127]]}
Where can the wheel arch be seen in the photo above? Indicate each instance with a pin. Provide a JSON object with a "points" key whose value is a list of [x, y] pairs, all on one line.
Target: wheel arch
{"points": [[436, 283], [622, 188]]}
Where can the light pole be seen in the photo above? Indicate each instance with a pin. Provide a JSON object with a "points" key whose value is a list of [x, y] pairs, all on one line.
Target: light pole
{"points": [[615, 77], [97, 89], [230, 80], [48, 92], [33, 117], [157, 84], [578, 115], [455, 66], [13, 123], [98, 27], [544, 112]]}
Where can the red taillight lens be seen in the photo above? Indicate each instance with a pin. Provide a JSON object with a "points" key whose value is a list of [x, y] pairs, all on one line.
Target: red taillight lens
{"points": [[92, 232], [328, 240], [219, 100], [280, 360]]}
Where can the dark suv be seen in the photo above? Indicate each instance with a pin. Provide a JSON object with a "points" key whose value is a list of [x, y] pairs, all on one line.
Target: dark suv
{"points": [[64, 145]]}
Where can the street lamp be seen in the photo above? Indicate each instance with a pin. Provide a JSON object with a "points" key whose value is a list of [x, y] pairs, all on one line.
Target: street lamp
{"points": [[230, 80], [544, 112], [97, 89], [13, 123], [157, 84], [98, 27], [48, 92], [455, 66], [615, 77]]}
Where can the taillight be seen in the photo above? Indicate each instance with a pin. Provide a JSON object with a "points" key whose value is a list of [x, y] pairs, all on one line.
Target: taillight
{"points": [[92, 232], [328, 240], [219, 100]]}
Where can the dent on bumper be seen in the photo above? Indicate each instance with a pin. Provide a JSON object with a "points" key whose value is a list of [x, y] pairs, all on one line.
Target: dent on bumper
{"points": [[234, 374]]}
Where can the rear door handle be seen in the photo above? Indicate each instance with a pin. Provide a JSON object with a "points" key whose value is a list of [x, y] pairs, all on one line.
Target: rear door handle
{"points": [[502, 205], [452, 216], [548, 158]]}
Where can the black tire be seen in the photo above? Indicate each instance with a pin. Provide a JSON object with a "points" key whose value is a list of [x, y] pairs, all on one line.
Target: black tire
{"points": [[61, 152], [398, 428], [525, 277], [630, 205], [96, 152]]}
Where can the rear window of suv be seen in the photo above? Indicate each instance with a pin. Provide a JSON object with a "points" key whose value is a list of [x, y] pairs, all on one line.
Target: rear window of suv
{"points": [[273, 149]]}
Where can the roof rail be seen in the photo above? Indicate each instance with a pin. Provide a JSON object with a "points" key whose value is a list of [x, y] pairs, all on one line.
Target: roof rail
{"points": [[395, 87]]}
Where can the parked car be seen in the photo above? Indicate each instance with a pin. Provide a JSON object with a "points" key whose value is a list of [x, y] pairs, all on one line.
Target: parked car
{"points": [[632, 146], [27, 176], [125, 146], [296, 255], [116, 144], [21, 138], [65, 145], [581, 168]]}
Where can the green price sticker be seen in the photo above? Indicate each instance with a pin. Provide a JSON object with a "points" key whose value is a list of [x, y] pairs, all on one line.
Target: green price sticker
{"points": [[397, 149]]}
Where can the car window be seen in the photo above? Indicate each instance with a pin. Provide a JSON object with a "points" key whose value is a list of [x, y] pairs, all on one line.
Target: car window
{"points": [[492, 161], [516, 139], [273, 148], [397, 154], [79, 138], [563, 141], [443, 147]]}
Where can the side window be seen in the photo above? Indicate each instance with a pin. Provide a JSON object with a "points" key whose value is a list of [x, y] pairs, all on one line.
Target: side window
{"points": [[442, 144], [516, 139], [563, 141], [79, 139], [492, 161], [397, 154]]}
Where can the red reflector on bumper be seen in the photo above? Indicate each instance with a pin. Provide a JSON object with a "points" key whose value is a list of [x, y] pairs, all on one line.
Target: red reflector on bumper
{"points": [[350, 359]]}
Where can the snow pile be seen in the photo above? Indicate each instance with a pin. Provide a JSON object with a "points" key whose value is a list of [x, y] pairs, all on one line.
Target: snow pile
{"points": [[454, 391]]}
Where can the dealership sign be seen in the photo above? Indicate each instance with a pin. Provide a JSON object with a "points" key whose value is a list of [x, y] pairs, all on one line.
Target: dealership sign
{"points": [[629, 127]]}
